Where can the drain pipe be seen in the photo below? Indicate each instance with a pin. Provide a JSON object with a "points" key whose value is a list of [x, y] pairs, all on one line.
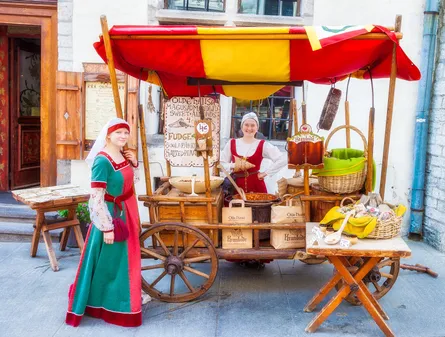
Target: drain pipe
{"points": [[422, 112]]}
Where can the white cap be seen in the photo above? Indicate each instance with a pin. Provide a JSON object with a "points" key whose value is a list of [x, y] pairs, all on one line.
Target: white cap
{"points": [[250, 115]]}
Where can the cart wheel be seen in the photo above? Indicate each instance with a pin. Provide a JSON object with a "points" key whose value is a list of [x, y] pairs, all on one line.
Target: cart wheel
{"points": [[174, 262], [380, 279]]}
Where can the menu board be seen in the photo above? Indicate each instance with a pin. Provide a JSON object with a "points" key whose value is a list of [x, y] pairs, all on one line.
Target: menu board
{"points": [[179, 130], [99, 106]]}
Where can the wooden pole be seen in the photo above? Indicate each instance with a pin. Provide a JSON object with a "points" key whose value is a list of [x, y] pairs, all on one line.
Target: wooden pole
{"points": [[370, 150], [169, 168], [392, 88], [110, 62], [148, 187], [347, 122], [295, 115], [125, 114], [250, 37]]}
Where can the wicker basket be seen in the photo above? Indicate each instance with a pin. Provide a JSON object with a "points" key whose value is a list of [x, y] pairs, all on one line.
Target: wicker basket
{"points": [[347, 183], [384, 229], [387, 229]]}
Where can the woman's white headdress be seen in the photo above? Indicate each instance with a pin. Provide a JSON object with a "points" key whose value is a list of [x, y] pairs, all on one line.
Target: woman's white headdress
{"points": [[101, 141], [250, 115]]}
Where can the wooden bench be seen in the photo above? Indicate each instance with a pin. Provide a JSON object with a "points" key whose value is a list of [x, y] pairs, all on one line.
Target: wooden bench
{"points": [[50, 199]]}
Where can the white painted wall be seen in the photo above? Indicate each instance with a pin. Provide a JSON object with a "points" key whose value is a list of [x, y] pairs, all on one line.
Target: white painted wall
{"points": [[86, 24], [343, 12]]}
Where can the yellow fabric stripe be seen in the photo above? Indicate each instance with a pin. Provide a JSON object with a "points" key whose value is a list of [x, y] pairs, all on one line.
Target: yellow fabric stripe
{"points": [[246, 60], [369, 28], [312, 36], [250, 92], [242, 30]]}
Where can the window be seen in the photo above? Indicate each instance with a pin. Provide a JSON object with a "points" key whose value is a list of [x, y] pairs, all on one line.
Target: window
{"points": [[270, 7], [196, 5], [273, 115]]}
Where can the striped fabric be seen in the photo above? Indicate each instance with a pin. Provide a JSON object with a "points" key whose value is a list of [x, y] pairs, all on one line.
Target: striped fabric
{"points": [[169, 55]]}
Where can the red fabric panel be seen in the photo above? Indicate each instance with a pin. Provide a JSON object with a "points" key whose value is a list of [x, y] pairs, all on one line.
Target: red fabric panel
{"points": [[4, 110], [97, 184]]}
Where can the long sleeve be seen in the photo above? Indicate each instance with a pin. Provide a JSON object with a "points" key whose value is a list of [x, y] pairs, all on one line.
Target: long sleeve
{"points": [[100, 216], [279, 159], [137, 176], [226, 157]]}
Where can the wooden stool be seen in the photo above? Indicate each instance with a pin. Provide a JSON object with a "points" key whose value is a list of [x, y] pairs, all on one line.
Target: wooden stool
{"points": [[343, 260], [50, 199]]}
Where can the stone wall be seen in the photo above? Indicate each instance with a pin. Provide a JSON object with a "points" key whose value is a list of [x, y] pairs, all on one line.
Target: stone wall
{"points": [[434, 220], [65, 34]]}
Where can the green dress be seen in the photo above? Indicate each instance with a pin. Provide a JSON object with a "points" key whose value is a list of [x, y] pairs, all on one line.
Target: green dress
{"points": [[108, 279]]}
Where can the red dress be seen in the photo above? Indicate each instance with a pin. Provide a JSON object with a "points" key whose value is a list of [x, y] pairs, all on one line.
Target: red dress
{"points": [[251, 183]]}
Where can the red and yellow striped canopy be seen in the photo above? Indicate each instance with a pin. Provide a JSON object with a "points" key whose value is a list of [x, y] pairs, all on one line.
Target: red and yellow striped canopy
{"points": [[262, 59]]}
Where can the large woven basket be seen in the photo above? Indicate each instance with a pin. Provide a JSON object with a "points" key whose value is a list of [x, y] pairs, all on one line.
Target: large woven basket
{"points": [[346, 183]]}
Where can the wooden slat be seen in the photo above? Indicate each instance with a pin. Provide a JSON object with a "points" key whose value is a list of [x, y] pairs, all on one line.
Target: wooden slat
{"points": [[132, 111], [69, 102]]}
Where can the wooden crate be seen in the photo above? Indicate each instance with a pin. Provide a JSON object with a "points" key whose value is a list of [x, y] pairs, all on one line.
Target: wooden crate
{"points": [[195, 213]]}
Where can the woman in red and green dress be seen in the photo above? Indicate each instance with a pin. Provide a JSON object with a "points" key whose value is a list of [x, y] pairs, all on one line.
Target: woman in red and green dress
{"points": [[108, 278]]}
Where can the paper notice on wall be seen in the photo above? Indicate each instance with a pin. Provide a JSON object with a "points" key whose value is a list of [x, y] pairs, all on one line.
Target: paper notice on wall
{"points": [[180, 116], [99, 106]]}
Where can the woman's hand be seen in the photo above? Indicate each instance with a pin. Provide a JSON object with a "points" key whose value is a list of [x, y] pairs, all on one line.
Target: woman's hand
{"points": [[131, 156], [109, 237], [262, 175]]}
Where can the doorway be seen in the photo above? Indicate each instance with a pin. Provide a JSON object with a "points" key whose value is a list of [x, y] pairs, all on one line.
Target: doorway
{"points": [[24, 111]]}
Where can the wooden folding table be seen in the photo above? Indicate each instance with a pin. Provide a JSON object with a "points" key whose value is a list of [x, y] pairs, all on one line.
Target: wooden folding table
{"points": [[50, 199], [371, 252]]}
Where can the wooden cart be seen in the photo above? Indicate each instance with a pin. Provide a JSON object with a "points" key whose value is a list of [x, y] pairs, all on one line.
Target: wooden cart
{"points": [[183, 231]]}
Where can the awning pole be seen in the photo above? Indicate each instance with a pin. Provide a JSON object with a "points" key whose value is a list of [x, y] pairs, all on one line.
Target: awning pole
{"points": [[392, 88], [110, 62]]}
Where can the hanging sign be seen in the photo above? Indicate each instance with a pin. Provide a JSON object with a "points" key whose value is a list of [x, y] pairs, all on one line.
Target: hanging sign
{"points": [[180, 138]]}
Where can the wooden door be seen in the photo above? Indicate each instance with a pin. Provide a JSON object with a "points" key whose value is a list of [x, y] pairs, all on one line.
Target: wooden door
{"points": [[24, 112]]}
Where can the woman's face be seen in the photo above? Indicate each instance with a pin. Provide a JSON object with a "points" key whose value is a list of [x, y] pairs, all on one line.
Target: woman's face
{"points": [[250, 128], [119, 137]]}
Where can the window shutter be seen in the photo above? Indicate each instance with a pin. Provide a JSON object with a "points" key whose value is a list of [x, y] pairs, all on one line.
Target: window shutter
{"points": [[69, 115]]}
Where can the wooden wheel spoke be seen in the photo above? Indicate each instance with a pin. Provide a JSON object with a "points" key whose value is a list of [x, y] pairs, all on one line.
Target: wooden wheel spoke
{"points": [[377, 286], [166, 250], [153, 254], [186, 281], [197, 259], [184, 253], [154, 266], [175, 246], [387, 275], [196, 272], [385, 263], [172, 285], [160, 277]]}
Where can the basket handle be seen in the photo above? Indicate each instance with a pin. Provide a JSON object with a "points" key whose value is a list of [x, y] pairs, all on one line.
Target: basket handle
{"points": [[288, 198], [345, 199], [365, 143], [236, 201]]}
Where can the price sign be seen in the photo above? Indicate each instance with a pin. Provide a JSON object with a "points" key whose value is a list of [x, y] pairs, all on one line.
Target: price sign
{"points": [[202, 128]]}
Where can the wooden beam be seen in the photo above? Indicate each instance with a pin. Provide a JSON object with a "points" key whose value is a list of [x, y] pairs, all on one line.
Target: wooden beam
{"points": [[251, 37], [207, 81], [389, 111], [112, 69]]}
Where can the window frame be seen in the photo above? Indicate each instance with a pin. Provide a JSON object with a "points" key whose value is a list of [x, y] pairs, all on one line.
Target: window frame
{"points": [[280, 4], [206, 5], [273, 120]]}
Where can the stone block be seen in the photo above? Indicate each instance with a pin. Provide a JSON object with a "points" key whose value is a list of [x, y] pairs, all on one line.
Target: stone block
{"points": [[438, 161], [65, 28], [65, 11], [435, 150], [434, 214], [65, 54], [435, 193], [430, 202], [65, 41]]}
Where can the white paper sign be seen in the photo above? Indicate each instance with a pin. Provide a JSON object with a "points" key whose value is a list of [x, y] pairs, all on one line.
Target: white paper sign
{"points": [[180, 116]]}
